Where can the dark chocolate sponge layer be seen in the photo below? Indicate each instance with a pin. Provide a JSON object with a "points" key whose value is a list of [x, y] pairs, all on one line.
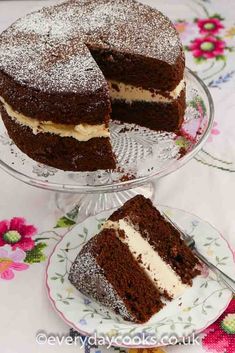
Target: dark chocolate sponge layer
{"points": [[64, 153], [144, 72], [155, 116], [68, 108]]}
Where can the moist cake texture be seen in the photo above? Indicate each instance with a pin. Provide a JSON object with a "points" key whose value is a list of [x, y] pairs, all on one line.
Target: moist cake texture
{"points": [[83, 61], [139, 257]]}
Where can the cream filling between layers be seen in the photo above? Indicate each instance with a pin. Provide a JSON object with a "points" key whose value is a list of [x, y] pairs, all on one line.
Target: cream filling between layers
{"points": [[131, 93], [81, 132], [164, 277]]}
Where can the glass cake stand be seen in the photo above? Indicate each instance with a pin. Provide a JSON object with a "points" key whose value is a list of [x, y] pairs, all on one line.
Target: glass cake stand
{"points": [[143, 155]]}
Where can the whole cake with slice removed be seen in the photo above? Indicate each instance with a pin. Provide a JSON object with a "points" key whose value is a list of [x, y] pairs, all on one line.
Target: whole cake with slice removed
{"points": [[67, 69], [136, 262]]}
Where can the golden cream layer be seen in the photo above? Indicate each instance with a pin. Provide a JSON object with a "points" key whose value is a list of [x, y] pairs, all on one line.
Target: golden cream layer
{"points": [[81, 132], [160, 273], [129, 93]]}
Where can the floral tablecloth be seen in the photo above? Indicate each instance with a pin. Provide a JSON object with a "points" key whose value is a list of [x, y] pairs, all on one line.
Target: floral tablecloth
{"points": [[30, 223]]}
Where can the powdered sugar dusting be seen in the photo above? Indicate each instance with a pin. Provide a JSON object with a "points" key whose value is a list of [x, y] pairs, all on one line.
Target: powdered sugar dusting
{"points": [[56, 22], [50, 65], [47, 49], [131, 27], [88, 277]]}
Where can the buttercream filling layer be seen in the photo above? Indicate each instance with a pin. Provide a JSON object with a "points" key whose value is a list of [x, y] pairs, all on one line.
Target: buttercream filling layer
{"points": [[160, 273], [81, 132], [129, 93]]}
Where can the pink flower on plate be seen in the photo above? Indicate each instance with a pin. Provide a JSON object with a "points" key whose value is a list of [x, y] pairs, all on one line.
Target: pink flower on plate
{"points": [[214, 132], [17, 234], [10, 262], [220, 336], [185, 29], [207, 47], [209, 25], [204, 270]]}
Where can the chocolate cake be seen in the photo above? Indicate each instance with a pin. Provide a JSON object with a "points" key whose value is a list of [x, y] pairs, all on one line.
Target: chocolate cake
{"points": [[136, 262], [67, 69]]}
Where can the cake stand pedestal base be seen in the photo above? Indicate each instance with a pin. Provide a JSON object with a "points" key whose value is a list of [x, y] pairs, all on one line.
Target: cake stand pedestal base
{"points": [[85, 205]]}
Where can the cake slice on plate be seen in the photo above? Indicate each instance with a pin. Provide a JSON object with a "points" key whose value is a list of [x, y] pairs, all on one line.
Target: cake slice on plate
{"points": [[137, 260]]}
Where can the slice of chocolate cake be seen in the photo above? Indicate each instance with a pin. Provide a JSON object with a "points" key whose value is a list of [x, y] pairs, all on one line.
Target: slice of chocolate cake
{"points": [[136, 260], [106, 270], [62, 67]]}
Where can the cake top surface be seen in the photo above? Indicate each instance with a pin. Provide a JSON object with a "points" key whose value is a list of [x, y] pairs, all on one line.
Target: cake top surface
{"points": [[48, 49]]}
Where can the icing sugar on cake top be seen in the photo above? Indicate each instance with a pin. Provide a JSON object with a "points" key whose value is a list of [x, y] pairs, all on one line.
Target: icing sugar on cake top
{"points": [[48, 48]]}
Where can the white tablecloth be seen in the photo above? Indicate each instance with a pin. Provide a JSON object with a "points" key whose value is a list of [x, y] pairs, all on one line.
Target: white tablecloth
{"points": [[205, 186]]}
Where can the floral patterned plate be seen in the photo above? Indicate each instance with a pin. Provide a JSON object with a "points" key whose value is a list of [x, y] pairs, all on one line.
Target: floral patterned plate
{"points": [[194, 311]]}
